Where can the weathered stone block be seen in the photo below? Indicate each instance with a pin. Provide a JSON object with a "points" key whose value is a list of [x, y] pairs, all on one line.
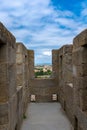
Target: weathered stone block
{"points": [[6, 36], [19, 58], [3, 53], [43, 89], [77, 57], [80, 56], [81, 118], [83, 99], [4, 127], [3, 83], [12, 79], [20, 80], [80, 82], [19, 68], [19, 106], [4, 114], [80, 70], [13, 112], [55, 63], [67, 49], [11, 55], [80, 40], [22, 72], [31, 63]]}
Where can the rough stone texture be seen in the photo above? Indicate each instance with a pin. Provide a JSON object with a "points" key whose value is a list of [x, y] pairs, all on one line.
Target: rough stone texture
{"points": [[55, 64], [4, 116], [65, 73], [7, 80], [81, 119], [18, 83], [31, 70], [65, 92], [69, 103], [22, 72], [80, 79], [13, 112], [80, 39], [19, 107], [7, 65], [31, 64], [6, 36], [43, 89]]}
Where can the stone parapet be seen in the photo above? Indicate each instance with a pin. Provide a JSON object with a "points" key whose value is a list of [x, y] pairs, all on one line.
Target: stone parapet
{"points": [[80, 39]]}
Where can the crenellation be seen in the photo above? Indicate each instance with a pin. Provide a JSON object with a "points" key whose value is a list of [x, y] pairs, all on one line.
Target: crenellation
{"points": [[79, 75], [22, 72], [6, 36], [80, 40], [31, 63], [18, 83], [55, 64], [65, 67]]}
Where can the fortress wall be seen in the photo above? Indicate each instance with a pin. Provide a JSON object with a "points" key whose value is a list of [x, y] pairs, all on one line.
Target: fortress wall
{"points": [[65, 90], [18, 83], [22, 73], [8, 113], [7, 64], [31, 64], [43, 89], [55, 64], [31, 71], [65, 70], [80, 79]]}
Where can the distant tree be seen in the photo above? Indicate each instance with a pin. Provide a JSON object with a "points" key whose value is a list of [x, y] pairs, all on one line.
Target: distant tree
{"points": [[49, 72], [41, 73]]}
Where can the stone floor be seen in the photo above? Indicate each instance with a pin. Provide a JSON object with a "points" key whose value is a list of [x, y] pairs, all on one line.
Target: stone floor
{"points": [[45, 116]]}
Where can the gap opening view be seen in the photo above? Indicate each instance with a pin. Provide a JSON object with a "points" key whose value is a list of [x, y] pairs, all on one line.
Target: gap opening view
{"points": [[43, 65]]}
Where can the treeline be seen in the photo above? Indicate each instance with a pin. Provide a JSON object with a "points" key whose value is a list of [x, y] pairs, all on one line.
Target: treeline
{"points": [[42, 73]]}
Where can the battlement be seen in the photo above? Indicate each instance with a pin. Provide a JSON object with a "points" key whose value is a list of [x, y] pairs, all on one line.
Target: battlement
{"points": [[18, 85]]}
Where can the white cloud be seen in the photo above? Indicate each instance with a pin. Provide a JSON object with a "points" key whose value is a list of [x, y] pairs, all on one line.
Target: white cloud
{"points": [[84, 12], [40, 26], [47, 53]]}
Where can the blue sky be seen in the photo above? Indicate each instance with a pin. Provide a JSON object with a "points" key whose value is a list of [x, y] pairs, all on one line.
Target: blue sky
{"points": [[43, 25]]}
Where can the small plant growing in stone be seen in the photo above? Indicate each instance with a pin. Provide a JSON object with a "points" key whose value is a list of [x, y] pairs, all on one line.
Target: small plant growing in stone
{"points": [[24, 116]]}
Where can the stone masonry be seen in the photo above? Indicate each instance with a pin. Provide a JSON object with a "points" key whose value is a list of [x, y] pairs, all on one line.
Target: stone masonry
{"points": [[22, 72], [65, 87], [80, 79], [18, 83], [8, 92]]}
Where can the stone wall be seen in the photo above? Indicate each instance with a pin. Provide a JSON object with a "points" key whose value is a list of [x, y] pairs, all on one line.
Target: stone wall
{"points": [[8, 92], [72, 87], [80, 79], [65, 70], [55, 65], [22, 72], [13, 91], [65, 78], [18, 83], [43, 89], [31, 71], [31, 64]]}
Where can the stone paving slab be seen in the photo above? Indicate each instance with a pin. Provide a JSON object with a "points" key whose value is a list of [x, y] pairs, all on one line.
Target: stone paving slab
{"points": [[46, 116]]}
